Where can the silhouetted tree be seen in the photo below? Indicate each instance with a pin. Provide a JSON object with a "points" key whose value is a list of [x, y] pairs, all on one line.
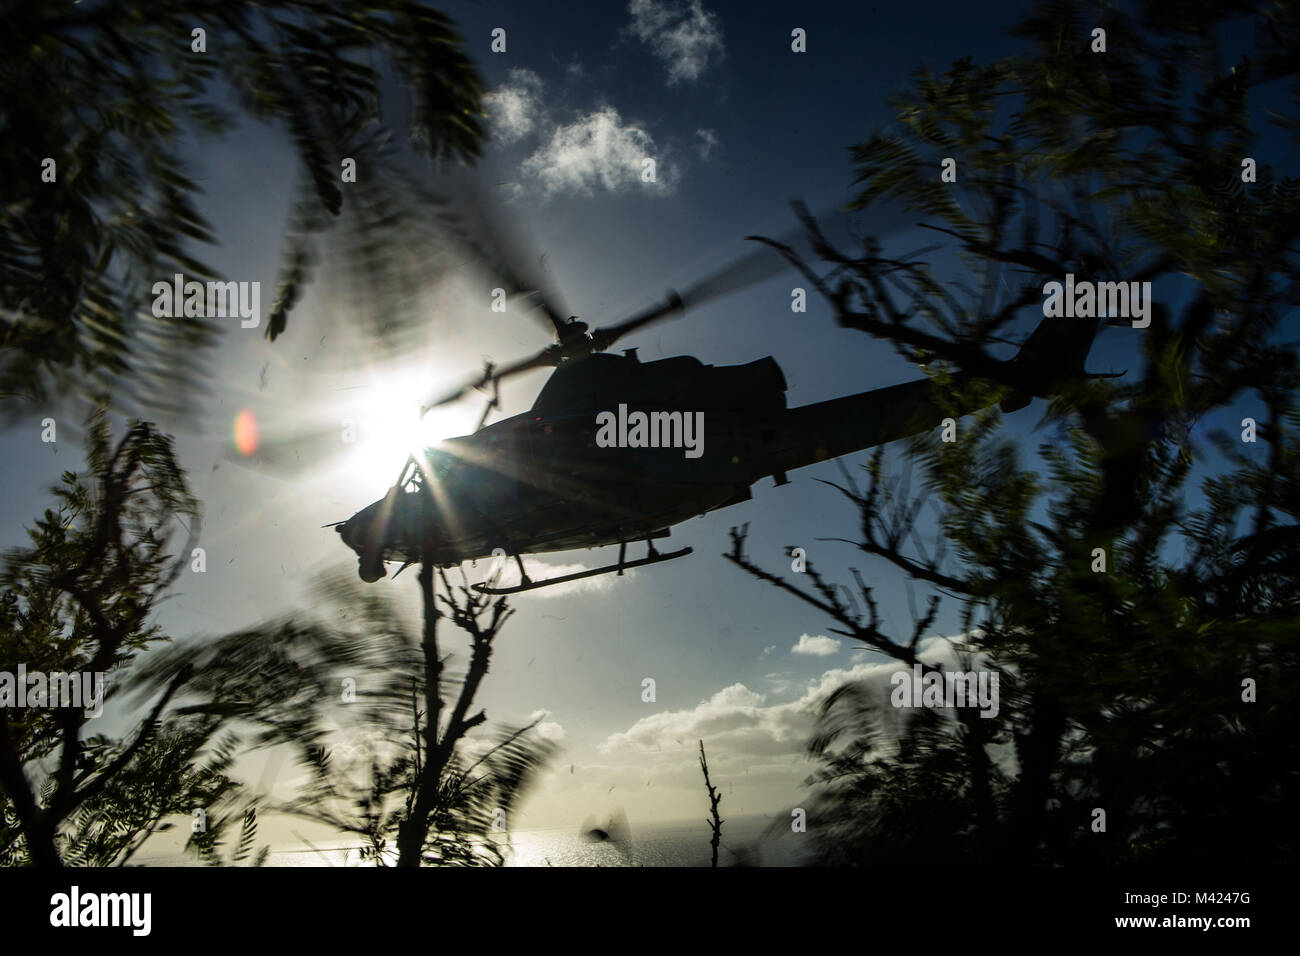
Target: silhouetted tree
{"points": [[80, 599], [1162, 688], [360, 700]]}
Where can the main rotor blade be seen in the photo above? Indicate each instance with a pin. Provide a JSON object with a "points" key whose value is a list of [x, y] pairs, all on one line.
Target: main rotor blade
{"points": [[756, 266], [751, 268], [475, 224], [549, 356], [602, 339], [762, 263]]}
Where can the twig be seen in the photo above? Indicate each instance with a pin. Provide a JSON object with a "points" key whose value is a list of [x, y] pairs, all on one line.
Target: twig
{"points": [[714, 799]]}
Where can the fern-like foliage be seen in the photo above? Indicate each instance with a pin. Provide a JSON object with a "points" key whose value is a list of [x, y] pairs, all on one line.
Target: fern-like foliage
{"points": [[114, 95], [1137, 591]]}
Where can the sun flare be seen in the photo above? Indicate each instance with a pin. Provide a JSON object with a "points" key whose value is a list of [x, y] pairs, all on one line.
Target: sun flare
{"points": [[388, 428]]}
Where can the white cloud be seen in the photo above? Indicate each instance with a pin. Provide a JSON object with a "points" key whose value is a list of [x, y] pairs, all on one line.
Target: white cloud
{"points": [[733, 719], [757, 744], [598, 150], [819, 646], [684, 36], [708, 142], [783, 682], [515, 108], [540, 571], [548, 729], [766, 651], [737, 721]]}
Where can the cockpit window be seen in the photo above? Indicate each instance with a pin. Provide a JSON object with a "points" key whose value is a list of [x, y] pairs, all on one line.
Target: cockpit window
{"points": [[439, 464]]}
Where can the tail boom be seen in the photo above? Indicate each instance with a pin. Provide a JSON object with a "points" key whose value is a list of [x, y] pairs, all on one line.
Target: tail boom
{"points": [[813, 433]]}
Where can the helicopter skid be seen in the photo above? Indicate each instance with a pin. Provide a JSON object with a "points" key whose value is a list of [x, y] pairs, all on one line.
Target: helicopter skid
{"points": [[620, 567]]}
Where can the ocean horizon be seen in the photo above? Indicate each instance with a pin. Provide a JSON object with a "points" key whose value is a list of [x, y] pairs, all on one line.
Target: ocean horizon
{"points": [[746, 841]]}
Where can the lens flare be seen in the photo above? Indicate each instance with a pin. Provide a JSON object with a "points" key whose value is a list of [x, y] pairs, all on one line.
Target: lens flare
{"points": [[246, 433]]}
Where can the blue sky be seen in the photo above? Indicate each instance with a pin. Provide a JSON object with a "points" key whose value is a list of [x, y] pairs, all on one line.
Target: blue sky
{"points": [[738, 125]]}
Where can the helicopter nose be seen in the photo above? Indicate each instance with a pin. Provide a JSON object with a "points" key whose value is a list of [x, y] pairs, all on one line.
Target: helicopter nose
{"points": [[370, 570]]}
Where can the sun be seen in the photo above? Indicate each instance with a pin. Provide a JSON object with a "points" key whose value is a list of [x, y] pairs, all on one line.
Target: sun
{"points": [[387, 427]]}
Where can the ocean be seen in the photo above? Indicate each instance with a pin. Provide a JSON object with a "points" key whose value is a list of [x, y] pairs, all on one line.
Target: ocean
{"points": [[745, 842], [669, 844]]}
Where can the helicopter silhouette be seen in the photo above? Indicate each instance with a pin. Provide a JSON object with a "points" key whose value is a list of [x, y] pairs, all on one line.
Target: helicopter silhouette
{"points": [[554, 479]]}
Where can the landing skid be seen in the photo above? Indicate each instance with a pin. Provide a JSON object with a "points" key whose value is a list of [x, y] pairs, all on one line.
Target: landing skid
{"points": [[529, 585]]}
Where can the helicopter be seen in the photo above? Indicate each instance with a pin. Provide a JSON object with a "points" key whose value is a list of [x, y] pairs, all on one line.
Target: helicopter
{"points": [[598, 459]]}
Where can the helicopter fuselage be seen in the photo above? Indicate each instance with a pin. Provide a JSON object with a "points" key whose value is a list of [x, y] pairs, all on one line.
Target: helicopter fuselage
{"points": [[604, 457]]}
